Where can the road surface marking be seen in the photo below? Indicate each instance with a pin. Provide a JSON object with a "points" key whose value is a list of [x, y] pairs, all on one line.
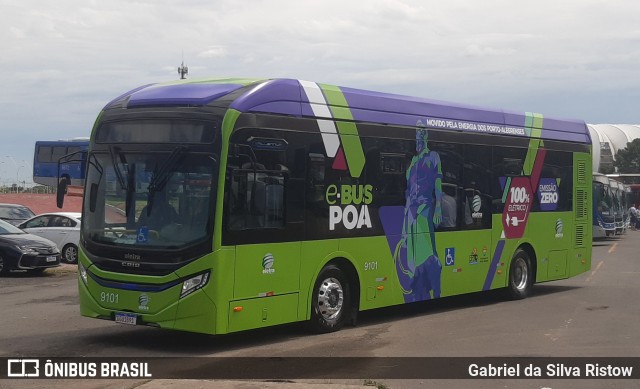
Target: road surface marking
{"points": [[594, 272]]}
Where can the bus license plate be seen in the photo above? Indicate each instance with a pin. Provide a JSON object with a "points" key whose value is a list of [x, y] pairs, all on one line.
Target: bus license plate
{"points": [[51, 259], [126, 318]]}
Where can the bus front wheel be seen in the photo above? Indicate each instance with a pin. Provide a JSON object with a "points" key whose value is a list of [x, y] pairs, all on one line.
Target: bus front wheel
{"points": [[331, 300], [520, 275]]}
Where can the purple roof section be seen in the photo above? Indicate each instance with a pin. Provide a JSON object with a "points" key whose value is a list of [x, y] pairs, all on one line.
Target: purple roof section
{"points": [[287, 97], [403, 110], [280, 96], [124, 95], [180, 94]]}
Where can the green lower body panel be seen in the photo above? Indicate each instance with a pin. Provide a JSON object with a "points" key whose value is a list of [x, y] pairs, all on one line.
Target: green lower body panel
{"points": [[263, 312], [557, 264]]}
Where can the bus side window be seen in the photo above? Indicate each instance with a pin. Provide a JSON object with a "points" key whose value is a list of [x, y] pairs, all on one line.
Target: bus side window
{"points": [[506, 162], [257, 185], [256, 199], [315, 178], [477, 175], [274, 197], [450, 156], [58, 152], [44, 154], [558, 166], [385, 170]]}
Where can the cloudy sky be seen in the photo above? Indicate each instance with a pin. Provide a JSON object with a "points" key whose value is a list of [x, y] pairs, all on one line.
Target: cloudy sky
{"points": [[62, 61]]}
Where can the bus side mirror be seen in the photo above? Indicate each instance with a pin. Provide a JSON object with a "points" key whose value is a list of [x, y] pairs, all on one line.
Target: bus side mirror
{"points": [[93, 197], [62, 190]]}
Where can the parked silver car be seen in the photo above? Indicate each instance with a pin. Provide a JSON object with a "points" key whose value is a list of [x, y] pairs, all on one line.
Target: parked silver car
{"points": [[62, 228]]}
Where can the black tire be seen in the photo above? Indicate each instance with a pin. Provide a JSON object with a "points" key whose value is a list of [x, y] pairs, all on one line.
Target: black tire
{"points": [[69, 254], [331, 303], [520, 276], [3, 266]]}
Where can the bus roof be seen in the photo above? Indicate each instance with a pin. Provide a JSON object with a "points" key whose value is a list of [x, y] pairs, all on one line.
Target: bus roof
{"points": [[64, 142], [598, 177], [290, 97]]}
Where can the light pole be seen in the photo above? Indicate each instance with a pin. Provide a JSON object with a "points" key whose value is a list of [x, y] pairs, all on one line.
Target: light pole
{"points": [[17, 170], [27, 165], [2, 162], [18, 179]]}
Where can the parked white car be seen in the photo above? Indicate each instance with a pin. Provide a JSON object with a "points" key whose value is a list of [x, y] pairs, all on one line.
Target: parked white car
{"points": [[62, 228]]}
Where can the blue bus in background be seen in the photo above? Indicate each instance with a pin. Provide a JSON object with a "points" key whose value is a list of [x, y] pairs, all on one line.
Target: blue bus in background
{"points": [[622, 214], [53, 160], [604, 207]]}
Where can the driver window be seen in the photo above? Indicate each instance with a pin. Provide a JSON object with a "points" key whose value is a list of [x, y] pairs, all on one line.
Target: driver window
{"points": [[258, 177]]}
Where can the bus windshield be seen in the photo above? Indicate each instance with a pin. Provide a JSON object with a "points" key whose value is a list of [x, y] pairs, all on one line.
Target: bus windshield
{"points": [[149, 207], [602, 198], [615, 201], [150, 199]]}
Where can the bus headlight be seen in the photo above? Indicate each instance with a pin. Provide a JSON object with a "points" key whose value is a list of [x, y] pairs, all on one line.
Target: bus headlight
{"points": [[83, 272], [194, 283]]}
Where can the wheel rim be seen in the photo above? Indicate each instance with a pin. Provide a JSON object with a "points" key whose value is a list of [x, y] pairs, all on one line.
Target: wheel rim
{"points": [[71, 254], [330, 299], [520, 275]]}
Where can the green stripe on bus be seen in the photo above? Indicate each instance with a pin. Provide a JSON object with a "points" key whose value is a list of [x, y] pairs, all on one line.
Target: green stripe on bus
{"points": [[533, 127], [528, 123], [346, 128], [505, 191]]}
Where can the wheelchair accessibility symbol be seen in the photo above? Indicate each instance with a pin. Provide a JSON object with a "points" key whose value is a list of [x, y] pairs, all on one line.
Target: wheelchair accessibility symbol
{"points": [[450, 256], [142, 235]]}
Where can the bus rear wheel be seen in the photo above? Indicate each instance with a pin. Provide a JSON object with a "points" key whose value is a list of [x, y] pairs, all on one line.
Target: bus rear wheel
{"points": [[331, 301], [520, 275]]}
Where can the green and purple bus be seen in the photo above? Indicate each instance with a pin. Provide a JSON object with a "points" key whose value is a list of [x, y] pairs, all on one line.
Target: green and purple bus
{"points": [[217, 206]]}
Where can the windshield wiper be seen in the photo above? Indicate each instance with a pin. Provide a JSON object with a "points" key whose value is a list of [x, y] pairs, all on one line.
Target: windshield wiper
{"points": [[161, 175], [127, 185], [115, 153]]}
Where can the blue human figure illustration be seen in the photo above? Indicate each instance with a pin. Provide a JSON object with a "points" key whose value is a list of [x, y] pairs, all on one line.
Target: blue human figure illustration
{"points": [[422, 214]]}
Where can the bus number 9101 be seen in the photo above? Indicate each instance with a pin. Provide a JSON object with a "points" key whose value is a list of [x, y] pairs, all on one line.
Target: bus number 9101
{"points": [[112, 298], [370, 266]]}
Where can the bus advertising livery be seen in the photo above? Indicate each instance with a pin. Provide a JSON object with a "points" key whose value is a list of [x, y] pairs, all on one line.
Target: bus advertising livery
{"points": [[217, 206]]}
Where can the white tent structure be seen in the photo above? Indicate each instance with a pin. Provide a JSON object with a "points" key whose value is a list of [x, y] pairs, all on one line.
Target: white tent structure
{"points": [[607, 139]]}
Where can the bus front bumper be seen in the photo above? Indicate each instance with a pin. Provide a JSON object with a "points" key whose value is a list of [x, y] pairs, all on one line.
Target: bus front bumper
{"points": [[134, 305]]}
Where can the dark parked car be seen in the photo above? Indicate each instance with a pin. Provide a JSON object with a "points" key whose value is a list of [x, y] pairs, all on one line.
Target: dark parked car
{"points": [[15, 213], [22, 251]]}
